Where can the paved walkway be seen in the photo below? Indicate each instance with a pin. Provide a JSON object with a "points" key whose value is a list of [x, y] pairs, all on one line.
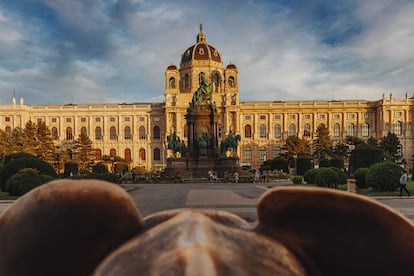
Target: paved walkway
{"points": [[239, 198]]}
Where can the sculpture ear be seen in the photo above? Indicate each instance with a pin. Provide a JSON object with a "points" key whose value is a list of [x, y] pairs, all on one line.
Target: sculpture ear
{"points": [[338, 233], [221, 217]]}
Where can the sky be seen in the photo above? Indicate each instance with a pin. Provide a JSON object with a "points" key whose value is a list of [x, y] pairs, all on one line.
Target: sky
{"points": [[116, 51]]}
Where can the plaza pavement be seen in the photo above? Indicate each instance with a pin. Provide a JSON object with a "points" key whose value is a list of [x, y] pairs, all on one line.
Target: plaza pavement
{"points": [[239, 199]]}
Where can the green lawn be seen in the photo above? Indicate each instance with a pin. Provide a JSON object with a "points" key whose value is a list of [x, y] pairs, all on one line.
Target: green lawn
{"points": [[370, 192], [6, 196]]}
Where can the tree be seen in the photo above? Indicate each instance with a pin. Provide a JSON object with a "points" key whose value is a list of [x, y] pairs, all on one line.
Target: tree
{"points": [[46, 149], [365, 155], [341, 150], [323, 142], [372, 141], [296, 146], [390, 145], [83, 152]]}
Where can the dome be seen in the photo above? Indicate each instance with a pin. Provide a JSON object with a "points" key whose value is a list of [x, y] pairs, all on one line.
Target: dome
{"points": [[201, 50], [172, 67], [231, 66]]}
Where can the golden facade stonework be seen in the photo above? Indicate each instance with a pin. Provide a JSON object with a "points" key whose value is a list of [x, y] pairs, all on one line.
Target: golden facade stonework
{"points": [[138, 132]]}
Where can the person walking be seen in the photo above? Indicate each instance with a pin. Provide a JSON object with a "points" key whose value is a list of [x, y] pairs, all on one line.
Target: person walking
{"points": [[256, 177], [403, 182], [236, 176]]}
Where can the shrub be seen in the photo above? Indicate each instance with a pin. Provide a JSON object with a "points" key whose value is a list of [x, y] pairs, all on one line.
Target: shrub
{"points": [[341, 176], [310, 175], [121, 167], [326, 177], [303, 163], [71, 169], [324, 163], [13, 156], [360, 175], [337, 162], [15, 165], [297, 179], [26, 180], [100, 168], [384, 176]]}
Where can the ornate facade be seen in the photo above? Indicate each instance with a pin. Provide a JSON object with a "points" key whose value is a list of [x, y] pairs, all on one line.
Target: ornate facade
{"points": [[137, 132]]}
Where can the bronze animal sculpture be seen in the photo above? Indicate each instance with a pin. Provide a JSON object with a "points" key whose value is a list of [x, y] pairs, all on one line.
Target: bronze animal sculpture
{"points": [[91, 227]]}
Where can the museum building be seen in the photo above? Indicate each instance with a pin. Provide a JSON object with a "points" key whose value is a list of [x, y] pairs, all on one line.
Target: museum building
{"points": [[138, 132]]}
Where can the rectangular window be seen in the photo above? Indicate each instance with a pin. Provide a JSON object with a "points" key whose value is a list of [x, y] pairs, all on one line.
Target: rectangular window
{"points": [[83, 120], [39, 120], [156, 119], [307, 116], [112, 119], [141, 119], [398, 113], [278, 117], [68, 120], [337, 116], [351, 116], [292, 117], [262, 117], [247, 117], [7, 119], [97, 119], [322, 116], [127, 119], [54, 120], [366, 115]]}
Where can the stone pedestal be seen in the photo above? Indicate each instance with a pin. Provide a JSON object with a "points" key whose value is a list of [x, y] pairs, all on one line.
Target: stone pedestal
{"points": [[351, 183]]}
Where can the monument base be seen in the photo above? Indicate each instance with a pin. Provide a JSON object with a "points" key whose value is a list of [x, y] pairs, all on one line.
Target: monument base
{"points": [[198, 167]]}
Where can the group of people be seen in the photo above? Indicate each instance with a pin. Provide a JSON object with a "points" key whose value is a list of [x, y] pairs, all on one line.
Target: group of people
{"points": [[257, 176]]}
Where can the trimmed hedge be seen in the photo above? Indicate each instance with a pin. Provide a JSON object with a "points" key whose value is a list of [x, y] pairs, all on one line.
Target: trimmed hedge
{"points": [[297, 179], [324, 163], [17, 155], [15, 165], [310, 175], [303, 163], [360, 176], [384, 176], [337, 162], [100, 168], [71, 169], [24, 181]]}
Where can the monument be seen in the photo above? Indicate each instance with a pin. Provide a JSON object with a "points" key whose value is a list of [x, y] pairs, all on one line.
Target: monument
{"points": [[202, 152]]}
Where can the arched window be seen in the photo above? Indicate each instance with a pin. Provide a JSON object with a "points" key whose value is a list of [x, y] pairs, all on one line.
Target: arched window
{"points": [[8, 131], [278, 131], [248, 153], [98, 133], [262, 154], [55, 134], [216, 82], [262, 131], [365, 130], [247, 131], [69, 133], [112, 152], [351, 130], [98, 154], [231, 81], [84, 131], [292, 130], [398, 128], [307, 130], [172, 82], [141, 132], [157, 154], [127, 133], [337, 130], [127, 155], [142, 155], [157, 132], [112, 133], [186, 81]]}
